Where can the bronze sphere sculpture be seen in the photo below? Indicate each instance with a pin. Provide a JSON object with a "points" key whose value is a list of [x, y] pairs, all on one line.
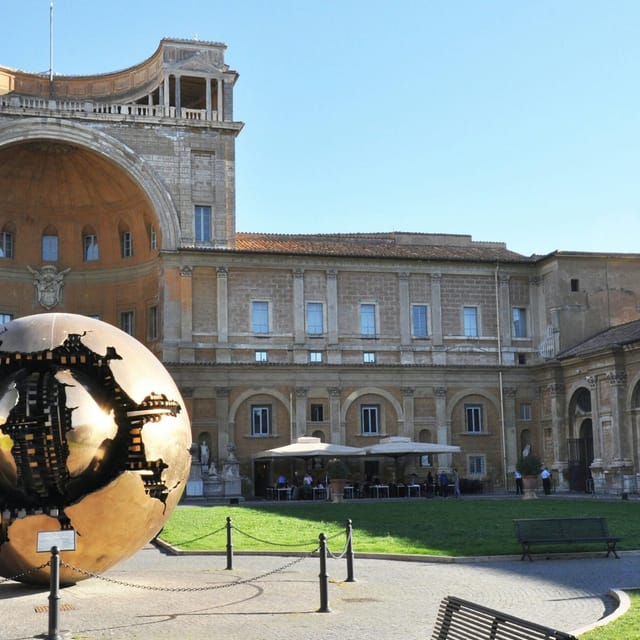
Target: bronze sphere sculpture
{"points": [[94, 438]]}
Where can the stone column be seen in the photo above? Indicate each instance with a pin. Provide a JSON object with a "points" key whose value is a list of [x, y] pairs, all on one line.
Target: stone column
{"points": [[226, 428], [559, 433], [439, 355], [220, 105], [301, 412], [442, 425], [208, 99], [178, 98], [504, 300], [408, 429], [223, 353], [333, 354], [510, 436], [337, 428], [406, 352], [186, 315], [298, 307]]}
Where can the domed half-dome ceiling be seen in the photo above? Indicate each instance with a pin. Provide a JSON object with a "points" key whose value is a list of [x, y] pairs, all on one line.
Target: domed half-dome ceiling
{"points": [[48, 184], [62, 177]]}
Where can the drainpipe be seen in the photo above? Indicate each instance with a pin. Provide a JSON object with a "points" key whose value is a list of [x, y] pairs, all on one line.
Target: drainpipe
{"points": [[500, 384]]}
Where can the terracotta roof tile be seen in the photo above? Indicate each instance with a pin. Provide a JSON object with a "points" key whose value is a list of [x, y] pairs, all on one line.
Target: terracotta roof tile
{"points": [[608, 339], [380, 245]]}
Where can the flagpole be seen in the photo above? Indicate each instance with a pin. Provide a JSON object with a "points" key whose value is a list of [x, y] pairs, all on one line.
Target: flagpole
{"points": [[50, 46]]}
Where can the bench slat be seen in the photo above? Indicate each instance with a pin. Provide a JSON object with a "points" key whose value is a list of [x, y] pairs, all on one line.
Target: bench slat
{"points": [[460, 619]]}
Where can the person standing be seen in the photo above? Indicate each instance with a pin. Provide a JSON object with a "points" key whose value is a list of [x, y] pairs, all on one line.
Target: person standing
{"points": [[456, 484], [546, 481], [519, 488]]}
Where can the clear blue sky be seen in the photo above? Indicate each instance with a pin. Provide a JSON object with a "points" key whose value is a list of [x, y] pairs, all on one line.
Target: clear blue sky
{"points": [[514, 121]]}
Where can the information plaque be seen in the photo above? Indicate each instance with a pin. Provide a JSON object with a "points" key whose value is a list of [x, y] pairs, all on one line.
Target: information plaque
{"points": [[65, 540]]}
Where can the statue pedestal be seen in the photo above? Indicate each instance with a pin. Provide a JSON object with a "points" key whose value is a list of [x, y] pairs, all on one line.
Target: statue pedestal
{"points": [[213, 487]]}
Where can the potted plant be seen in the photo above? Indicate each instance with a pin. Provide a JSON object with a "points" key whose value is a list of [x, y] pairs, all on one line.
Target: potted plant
{"points": [[338, 472], [530, 467]]}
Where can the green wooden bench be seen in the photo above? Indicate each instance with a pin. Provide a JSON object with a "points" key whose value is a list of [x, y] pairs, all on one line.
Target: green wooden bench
{"points": [[463, 620], [530, 531]]}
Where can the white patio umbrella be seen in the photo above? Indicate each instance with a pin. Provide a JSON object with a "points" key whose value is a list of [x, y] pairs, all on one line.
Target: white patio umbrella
{"points": [[310, 447], [396, 446]]}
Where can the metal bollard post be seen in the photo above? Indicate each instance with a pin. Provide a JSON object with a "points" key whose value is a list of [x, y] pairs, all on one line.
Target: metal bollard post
{"points": [[349, 553], [324, 589], [54, 594], [229, 546]]}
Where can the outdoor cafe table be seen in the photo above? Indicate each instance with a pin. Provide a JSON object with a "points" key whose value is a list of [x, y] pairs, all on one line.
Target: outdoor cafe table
{"points": [[319, 493], [380, 490], [413, 489]]}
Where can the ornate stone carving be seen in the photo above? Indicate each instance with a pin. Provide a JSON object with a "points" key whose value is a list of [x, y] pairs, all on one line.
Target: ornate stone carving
{"points": [[408, 391], [186, 272], [440, 392], [48, 283], [334, 392], [301, 392], [617, 378], [555, 388]]}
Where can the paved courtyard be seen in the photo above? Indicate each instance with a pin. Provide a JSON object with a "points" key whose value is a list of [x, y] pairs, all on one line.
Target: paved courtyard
{"points": [[265, 597]]}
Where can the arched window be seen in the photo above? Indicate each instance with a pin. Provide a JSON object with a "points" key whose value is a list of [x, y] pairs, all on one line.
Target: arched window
{"points": [[126, 240], [50, 245], [90, 245], [7, 241]]}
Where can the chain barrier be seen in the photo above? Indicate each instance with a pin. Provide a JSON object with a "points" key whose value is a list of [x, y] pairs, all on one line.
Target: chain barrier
{"points": [[343, 553], [25, 573], [202, 537], [284, 544], [227, 585]]}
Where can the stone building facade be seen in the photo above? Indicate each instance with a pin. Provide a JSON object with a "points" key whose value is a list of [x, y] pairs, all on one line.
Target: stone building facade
{"points": [[117, 200]]}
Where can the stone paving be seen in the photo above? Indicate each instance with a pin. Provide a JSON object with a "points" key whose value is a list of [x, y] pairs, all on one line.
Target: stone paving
{"points": [[193, 597]]}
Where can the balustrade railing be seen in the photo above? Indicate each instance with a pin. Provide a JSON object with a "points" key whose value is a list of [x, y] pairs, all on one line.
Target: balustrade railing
{"points": [[13, 101]]}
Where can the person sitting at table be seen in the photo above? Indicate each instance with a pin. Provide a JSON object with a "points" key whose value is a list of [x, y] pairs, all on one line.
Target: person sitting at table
{"points": [[444, 484], [430, 485], [307, 484], [282, 481]]}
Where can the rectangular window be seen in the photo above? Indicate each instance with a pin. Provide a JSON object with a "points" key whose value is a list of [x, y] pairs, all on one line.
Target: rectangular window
{"points": [[260, 420], [575, 284], [6, 245], [202, 220], [152, 323], [369, 357], [315, 356], [127, 322], [5, 317], [317, 413], [470, 321], [315, 318], [519, 316], [476, 465], [419, 323], [473, 418], [49, 248], [525, 411], [90, 247], [126, 241], [153, 238], [262, 356], [260, 317], [370, 419], [368, 319]]}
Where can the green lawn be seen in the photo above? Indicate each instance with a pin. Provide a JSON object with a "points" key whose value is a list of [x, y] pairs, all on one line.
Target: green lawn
{"points": [[625, 627], [434, 527]]}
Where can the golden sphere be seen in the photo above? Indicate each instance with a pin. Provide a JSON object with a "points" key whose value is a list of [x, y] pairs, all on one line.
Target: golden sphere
{"points": [[94, 437]]}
